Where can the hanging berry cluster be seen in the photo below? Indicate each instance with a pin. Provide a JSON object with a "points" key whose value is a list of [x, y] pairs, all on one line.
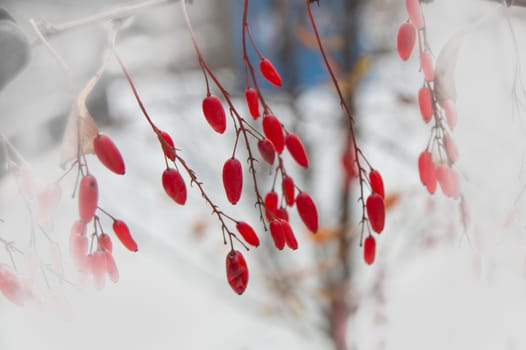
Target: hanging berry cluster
{"points": [[373, 208], [436, 162], [271, 142], [92, 250]]}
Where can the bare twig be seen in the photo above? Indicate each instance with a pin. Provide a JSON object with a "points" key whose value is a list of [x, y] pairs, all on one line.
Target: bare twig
{"points": [[49, 30]]}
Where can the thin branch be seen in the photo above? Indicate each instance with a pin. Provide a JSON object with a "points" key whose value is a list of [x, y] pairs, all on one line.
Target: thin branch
{"points": [[49, 30]]}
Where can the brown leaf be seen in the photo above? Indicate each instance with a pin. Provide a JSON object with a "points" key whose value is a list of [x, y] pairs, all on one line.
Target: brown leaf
{"points": [[81, 128]]}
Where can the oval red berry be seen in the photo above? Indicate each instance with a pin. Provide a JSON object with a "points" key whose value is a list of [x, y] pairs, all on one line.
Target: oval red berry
{"points": [[376, 212], [288, 234], [174, 185], [297, 150], [267, 150], [251, 96], [167, 145], [406, 40], [108, 154], [451, 149], [369, 250], [88, 197], [377, 183], [233, 179], [214, 113], [270, 72], [123, 234], [236, 271], [307, 211], [274, 132], [425, 103], [278, 236], [271, 205], [289, 190], [248, 233]]}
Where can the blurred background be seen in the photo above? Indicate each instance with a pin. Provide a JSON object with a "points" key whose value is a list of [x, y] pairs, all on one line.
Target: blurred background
{"points": [[439, 280]]}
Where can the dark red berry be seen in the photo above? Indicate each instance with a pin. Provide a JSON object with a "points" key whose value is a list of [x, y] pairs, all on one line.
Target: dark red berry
{"points": [[233, 179], [108, 154], [297, 150], [377, 183], [174, 185], [270, 72], [267, 150], [369, 250], [123, 234], [376, 212], [288, 234], [251, 96], [276, 231], [274, 132], [236, 271], [248, 233], [214, 113], [168, 145], [288, 188], [307, 211]]}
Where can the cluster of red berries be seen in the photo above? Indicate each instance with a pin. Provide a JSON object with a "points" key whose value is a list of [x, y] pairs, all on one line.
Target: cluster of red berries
{"points": [[96, 259], [435, 163]]}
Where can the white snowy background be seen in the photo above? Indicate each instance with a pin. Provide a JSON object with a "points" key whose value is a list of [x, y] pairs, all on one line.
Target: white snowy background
{"points": [[433, 286]]}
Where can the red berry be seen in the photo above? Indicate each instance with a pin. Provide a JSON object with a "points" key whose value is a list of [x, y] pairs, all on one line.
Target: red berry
{"points": [[425, 102], [426, 61], [108, 154], [274, 132], [297, 150], [251, 95], [174, 186], [369, 250], [123, 234], [451, 113], [449, 181], [415, 13], [289, 190], [105, 242], [248, 233], [278, 236], [270, 72], [236, 271], [214, 113], [425, 165], [88, 197], [97, 263], [349, 161], [111, 267], [266, 148], [168, 145], [288, 234], [377, 184], [271, 205], [451, 149], [11, 286], [406, 40], [307, 211], [233, 179], [376, 212]]}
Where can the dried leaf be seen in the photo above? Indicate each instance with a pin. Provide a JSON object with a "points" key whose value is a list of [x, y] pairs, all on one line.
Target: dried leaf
{"points": [[81, 128], [445, 68]]}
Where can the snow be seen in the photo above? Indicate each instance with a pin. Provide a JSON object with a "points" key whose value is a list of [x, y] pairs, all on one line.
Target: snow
{"points": [[433, 286]]}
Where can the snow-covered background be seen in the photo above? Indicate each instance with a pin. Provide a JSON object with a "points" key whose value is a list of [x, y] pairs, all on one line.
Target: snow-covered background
{"points": [[434, 285]]}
